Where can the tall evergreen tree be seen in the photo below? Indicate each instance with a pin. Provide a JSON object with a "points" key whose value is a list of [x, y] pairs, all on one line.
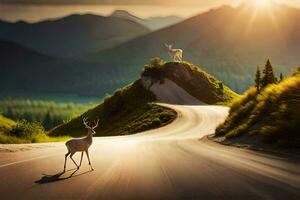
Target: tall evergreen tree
{"points": [[257, 79], [281, 77], [268, 75], [47, 122]]}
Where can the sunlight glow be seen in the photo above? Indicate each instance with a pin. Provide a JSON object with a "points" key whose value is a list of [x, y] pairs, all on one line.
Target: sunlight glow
{"points": [[262, 10], [263, 3]]}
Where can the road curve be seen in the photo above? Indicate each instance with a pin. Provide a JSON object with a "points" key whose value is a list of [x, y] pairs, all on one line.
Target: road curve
{"points": [[163, 164]]}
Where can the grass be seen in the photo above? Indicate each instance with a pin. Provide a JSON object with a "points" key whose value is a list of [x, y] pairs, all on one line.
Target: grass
{"points": [[5, 123], [129, 110], [272, 114], [41, 138]]}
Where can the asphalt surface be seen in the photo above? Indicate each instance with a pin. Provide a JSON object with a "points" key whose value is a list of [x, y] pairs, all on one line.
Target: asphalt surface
{"points": [[169, 163]]}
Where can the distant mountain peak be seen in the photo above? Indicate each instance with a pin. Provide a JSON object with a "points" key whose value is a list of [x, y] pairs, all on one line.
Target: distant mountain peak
{"points": [[152, 23], [124, 14]]}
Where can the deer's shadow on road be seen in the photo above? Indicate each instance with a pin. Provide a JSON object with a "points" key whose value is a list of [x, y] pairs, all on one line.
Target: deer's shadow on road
{"points": [[59, 176]]}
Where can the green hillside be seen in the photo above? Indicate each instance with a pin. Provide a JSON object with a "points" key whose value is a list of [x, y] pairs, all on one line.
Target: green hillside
{"points": [[269, 116], [129, 110]]}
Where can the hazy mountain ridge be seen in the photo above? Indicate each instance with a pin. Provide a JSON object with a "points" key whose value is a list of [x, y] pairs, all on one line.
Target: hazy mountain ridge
{"points": [[26, 71], [72, 36], [12, 52], [153, 23]]}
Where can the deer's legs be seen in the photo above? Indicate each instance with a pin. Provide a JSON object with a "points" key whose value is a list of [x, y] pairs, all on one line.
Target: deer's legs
{"points": [[66, 160], [71, 156], [87, 154], [81, 159], [174, 58]]}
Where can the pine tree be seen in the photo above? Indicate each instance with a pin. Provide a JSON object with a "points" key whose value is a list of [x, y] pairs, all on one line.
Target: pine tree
{"points": [[221, 87], [281, 77], [268, 75], [47, 122], [257, 79]]}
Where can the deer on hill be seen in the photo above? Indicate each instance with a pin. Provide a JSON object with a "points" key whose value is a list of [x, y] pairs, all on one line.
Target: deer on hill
{"points": [[176, 54]]}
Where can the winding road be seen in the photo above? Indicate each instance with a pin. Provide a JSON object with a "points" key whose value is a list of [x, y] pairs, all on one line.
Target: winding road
{"points": [[174, 162]]}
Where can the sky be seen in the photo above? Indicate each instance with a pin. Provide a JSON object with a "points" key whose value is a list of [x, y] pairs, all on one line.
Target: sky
{"points": [[124, 2], [38, 10]]}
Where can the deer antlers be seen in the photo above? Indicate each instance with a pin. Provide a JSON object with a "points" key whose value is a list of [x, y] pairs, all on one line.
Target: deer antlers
{"points": [[96, 123]]}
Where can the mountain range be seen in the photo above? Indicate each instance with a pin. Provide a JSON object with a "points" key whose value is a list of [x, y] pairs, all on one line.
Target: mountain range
{"points": [[72, 36], [25, 71], [228, 42]]}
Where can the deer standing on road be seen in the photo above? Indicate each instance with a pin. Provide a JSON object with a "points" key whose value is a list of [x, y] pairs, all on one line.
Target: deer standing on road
{"points": [[81, 144], [176, 54]]}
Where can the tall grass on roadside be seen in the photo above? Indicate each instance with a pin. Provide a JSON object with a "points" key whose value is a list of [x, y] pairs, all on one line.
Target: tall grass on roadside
{"points": [[273, 113]]}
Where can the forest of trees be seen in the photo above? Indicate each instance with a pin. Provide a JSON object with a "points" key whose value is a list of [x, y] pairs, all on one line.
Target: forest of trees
{"points": [[49, 114]]}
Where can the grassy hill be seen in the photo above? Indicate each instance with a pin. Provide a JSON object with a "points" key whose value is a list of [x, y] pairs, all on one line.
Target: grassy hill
{"points": [[224, 41], [271, 116], [129, 110], [72, 36], [192, 79]]}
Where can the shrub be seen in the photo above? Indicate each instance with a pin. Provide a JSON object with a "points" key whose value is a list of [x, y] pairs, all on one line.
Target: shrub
{"points": [[154, 70]]}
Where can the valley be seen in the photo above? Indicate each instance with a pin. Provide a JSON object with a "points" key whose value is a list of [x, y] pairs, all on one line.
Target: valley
{"points": [[161, 101]]}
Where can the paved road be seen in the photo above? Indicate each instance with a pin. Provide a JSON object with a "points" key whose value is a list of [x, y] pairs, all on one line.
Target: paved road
{"points": [[167, 163]]}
